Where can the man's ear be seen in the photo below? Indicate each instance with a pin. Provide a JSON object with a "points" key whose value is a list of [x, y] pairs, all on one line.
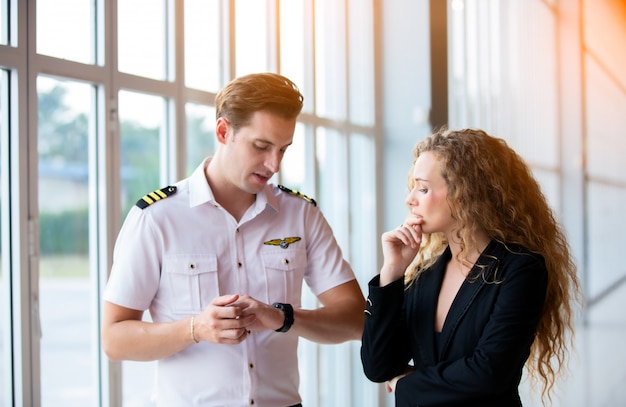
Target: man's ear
{"points": [[222, 126]]}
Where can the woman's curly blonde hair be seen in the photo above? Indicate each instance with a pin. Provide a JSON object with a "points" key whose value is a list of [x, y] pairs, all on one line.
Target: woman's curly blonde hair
{"points": [[491, 189]]}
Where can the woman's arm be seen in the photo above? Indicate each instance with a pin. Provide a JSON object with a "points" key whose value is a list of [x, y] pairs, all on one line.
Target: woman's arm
{"points": [[384, 347]]}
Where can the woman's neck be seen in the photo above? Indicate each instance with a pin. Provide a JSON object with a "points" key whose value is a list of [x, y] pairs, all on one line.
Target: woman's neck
{"points": [[466, 260]]}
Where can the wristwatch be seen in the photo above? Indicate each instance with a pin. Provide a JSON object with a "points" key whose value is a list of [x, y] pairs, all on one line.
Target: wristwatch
{"points": [[287, 309]]}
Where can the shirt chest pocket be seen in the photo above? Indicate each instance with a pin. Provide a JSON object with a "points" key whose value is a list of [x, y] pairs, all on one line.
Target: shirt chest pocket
{"points": [[284, 272], [191, 280]]}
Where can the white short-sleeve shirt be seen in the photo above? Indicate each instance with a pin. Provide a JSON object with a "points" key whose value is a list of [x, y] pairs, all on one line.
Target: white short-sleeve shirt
{"points": [[173, 257]]}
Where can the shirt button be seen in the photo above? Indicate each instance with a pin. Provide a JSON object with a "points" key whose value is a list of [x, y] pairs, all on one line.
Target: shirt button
{"points": [[251, 365], [285, 261], [239, 264], [251, 402]]}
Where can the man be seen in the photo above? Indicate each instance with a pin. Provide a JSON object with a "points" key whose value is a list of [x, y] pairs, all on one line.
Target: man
{"points": [[219, 259]]}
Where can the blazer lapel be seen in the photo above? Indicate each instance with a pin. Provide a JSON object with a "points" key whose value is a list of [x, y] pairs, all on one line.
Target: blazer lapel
{"points": [[468, 292], [428, 285]]}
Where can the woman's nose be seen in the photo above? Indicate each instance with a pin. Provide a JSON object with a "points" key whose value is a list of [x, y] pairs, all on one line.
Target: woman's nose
{"points": [[411, 199]]}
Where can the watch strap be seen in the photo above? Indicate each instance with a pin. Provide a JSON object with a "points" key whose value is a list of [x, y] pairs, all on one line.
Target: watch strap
{"points": [[287, 309]]}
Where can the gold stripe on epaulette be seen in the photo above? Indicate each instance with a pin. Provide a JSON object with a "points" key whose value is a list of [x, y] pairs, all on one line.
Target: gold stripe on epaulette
{"points": [[297, 193], [156, 195]]}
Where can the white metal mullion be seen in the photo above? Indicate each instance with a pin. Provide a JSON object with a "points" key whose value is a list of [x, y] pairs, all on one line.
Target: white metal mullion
{"points": [[572, 135], [28, 307], [25, 342], [94, 272], [51, 66], [341, 353], [227, 41], [103, 176], [177, 121], [14, 192], [109, 180], [311, 350], [273, 35], [5, 240], [168, 132]]}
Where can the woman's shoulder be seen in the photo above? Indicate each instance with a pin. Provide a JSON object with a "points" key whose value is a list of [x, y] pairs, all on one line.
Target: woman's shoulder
{"points": [[514, 257]]}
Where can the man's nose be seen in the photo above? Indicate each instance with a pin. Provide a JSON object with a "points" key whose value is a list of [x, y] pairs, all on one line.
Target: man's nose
{"points": [[273, 162]]}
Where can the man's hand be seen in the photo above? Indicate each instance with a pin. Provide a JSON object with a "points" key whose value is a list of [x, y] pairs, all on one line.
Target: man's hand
{"points": [[266, 316], [224, 320]]}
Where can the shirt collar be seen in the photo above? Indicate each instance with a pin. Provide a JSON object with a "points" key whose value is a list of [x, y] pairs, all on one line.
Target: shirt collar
{"points": [[200, 191]]}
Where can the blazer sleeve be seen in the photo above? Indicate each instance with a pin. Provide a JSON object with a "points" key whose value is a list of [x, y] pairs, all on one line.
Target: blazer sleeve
{"points": [[384, 348], [493, 368]]}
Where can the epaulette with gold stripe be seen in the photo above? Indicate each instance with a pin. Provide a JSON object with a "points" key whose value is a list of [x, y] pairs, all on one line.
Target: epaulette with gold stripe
{"points": [[154, 196], [297, 193]]}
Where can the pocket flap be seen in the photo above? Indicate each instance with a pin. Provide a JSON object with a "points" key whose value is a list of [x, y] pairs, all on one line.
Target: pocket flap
{"points": [[285, 260], [190, 264]]}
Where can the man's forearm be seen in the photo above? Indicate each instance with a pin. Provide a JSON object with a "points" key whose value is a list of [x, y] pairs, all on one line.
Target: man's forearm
{"points": [[332, 324], [145, 341]]}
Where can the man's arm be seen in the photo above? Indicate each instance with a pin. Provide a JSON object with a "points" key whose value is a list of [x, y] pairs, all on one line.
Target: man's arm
{"points": [[126, 337], [340, 319]]}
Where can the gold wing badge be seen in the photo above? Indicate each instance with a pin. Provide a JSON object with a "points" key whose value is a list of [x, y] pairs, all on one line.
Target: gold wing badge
{"points": [[283, 243]]}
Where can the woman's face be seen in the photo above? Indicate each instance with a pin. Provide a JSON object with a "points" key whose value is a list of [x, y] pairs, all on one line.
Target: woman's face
{"points": [[428, 198]]}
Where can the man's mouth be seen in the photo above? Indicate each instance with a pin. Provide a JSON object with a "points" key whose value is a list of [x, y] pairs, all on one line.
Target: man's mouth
{"points": [[262, 178]]}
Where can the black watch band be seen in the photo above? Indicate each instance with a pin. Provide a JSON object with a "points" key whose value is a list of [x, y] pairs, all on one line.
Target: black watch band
{"points": [[287, 309]]}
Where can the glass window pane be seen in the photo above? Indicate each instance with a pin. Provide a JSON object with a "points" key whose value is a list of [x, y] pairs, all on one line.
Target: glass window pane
{"points": [[202, 46], [331, 155], [330, 59], [251, 36], [65, 29], [361, 77], [4, 22], [141, 40], [293, 166], [66, 300], [200, 134], [141, 125], [138, 381], [292, 45], [142, 131], [363, 239]]}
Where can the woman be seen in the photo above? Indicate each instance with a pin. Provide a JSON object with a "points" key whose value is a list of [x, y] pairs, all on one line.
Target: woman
{"points": [[476, 282]]}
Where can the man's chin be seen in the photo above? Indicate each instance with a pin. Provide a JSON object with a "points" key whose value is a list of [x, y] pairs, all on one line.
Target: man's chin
{"points": [[255, 187]]}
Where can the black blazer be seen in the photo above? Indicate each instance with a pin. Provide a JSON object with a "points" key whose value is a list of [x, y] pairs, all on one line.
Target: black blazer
{"points": [[477, 359]]}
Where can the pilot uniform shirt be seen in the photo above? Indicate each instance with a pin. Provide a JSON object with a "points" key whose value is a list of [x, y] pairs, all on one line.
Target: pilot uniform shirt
{"points": [[177, 254]]}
